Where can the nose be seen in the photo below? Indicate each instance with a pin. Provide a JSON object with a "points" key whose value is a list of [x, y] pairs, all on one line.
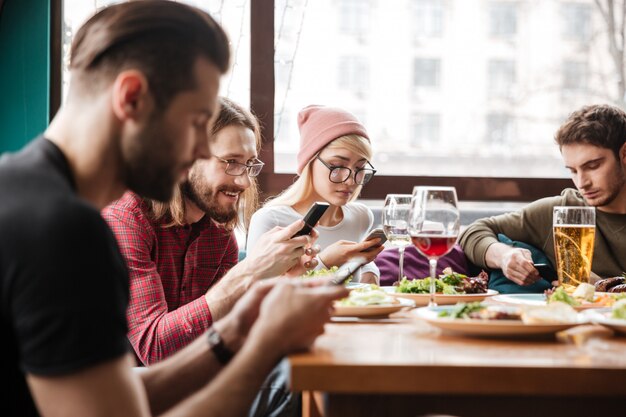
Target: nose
{"points": [[202, 149], [583, 180], [243, 180]]}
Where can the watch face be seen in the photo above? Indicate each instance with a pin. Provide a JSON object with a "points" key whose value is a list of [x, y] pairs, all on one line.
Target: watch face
{"points": [[214, 338]]}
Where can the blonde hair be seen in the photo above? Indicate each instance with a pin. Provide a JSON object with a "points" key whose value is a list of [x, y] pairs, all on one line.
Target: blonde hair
{"points": [[302, 188], [231, 114]]}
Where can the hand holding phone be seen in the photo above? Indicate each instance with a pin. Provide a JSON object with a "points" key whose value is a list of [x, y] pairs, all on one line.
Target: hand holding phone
{"points": [[546, 272], [373, 234], [312, 217], [346, 270]]}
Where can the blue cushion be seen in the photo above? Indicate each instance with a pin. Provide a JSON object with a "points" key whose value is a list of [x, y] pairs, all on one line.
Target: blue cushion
{"points": [[500, 283]]}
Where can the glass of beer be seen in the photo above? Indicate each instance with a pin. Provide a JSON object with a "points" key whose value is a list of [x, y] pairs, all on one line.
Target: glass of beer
{"points": [[574, 231]]}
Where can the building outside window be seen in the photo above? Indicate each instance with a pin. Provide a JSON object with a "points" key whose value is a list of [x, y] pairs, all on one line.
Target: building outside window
{"points": [[427, 18], [500, 129], [501, 78], [502, 19], [426, 72], [576, 22], [574, 77], [353, 74], [425, 130]]}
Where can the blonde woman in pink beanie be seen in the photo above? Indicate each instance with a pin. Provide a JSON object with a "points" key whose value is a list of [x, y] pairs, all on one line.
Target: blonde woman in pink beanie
{"points": [[333, 166]]}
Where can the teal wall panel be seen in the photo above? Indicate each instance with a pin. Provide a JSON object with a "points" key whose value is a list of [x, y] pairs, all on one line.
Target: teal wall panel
{"points": [[24, 71]]}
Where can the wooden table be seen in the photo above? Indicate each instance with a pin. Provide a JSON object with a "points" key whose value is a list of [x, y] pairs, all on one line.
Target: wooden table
{"points": [[411, 369]]}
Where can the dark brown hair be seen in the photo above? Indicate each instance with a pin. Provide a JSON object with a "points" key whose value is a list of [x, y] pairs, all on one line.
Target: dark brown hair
{"points": [[231, 114], [600, 125], [162, 39]]}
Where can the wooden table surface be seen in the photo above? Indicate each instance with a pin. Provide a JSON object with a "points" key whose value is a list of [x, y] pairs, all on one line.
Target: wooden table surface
{"points": [[410, 368]]}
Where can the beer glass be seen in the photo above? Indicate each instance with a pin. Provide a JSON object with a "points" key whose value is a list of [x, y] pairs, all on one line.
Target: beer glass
{"points": [[574, 231]]}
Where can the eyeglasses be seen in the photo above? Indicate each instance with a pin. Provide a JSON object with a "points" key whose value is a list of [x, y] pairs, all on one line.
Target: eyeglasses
{"points": [[236, 169], [341, 174]]}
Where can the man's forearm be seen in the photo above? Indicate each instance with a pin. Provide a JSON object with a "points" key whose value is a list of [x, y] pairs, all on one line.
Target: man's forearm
{"points": [[231, 393], [168, 382], [222, 297], [495, 253]]}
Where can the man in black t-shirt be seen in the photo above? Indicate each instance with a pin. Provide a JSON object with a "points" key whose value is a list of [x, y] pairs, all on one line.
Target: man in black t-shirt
{"points": [[145, 77]]}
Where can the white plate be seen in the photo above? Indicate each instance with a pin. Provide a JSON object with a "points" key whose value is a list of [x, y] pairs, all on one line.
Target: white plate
{"points": [[354, 285], [603, 316], [441, 299], [539, 300], [501, 328], [374, 310]]}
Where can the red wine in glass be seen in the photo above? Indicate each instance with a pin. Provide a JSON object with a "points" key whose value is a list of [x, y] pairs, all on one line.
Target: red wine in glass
{"points": [[433, 246]]}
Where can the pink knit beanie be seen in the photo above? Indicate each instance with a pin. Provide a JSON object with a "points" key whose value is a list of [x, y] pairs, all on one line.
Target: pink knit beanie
{"points": [[320, 125]]}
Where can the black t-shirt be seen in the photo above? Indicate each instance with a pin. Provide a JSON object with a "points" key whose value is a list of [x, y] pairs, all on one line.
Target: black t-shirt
{"points": [[63, 282]]}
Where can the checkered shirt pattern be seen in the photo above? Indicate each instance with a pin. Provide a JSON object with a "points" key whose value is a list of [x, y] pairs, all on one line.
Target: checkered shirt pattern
{"points": [[170, 270]]}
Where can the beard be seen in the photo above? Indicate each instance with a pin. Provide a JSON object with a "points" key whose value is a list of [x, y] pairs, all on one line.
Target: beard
{"points": [[205, 198], [149, 168], [614, 190]]}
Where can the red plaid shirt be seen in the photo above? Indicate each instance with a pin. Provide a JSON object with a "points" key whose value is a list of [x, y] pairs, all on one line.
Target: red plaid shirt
{"points": [[170, 270]]}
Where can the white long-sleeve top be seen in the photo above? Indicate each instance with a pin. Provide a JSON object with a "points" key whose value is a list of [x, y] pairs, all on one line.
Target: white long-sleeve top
{"points": [[356, 223]]}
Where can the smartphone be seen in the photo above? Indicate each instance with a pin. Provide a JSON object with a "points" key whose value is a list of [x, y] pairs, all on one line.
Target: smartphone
{"points": [[376, 233], [312, 217], [346, 270], [546, 272]]}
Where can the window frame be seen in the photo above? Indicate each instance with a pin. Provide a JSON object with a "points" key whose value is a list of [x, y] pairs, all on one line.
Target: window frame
{"points": [[262, 88]]}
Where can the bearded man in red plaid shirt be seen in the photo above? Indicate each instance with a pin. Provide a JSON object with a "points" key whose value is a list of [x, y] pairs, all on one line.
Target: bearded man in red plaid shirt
{"points": [[182, 255]]}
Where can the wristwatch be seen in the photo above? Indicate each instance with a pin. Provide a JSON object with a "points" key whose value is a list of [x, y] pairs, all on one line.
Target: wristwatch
{"points": [[217, 346]]}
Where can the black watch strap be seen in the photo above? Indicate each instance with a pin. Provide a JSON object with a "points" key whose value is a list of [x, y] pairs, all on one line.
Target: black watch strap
{"points": [[217, 346]]}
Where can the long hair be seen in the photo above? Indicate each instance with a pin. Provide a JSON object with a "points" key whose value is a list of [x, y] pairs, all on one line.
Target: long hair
{"points": [[231, 114], [302, 188]]}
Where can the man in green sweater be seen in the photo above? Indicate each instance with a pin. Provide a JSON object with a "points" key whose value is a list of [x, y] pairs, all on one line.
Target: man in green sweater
{"points": [[592, 143]]}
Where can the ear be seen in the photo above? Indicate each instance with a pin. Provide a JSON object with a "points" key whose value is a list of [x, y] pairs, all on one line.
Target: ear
{"points": [[622, 154], [131, 98]]}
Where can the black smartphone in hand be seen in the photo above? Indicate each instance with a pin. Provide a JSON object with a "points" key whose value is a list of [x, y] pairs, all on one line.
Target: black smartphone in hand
{"points": [[546, 272], [346, 270], [312, 217]]}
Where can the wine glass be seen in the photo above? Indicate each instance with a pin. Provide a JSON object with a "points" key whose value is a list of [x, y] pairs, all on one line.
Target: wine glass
{"points": [[434, 224], [395, 224]]}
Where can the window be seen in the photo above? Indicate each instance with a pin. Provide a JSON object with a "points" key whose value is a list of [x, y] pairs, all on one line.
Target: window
{"points": [[234, 16], [501, 78], [576, 22], [500, 129], [353, 74], [426, 72], [502, 19], [354, 17], [425, 130], [409, 83], [574, 77], [427, 18]]}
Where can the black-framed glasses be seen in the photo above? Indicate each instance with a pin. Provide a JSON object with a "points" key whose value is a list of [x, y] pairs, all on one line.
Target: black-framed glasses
{"points": [[236, 168], [340, 174]]}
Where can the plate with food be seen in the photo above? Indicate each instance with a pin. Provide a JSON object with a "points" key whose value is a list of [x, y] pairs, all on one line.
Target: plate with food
{"points": [[369, 301], [614, 317], [451, 288], [582, 297], [478, 319]]}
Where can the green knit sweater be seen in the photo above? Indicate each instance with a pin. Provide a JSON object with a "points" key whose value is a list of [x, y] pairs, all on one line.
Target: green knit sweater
{"points": [[533, 225]]}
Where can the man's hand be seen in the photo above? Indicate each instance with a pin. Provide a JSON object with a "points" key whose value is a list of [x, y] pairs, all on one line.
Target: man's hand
{"points": [[277, 253], [342, 251], [517, 265], [292, 315]]}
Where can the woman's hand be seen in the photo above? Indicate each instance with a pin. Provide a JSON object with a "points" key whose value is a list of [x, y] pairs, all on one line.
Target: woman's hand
{"points": [[342, 251]]}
